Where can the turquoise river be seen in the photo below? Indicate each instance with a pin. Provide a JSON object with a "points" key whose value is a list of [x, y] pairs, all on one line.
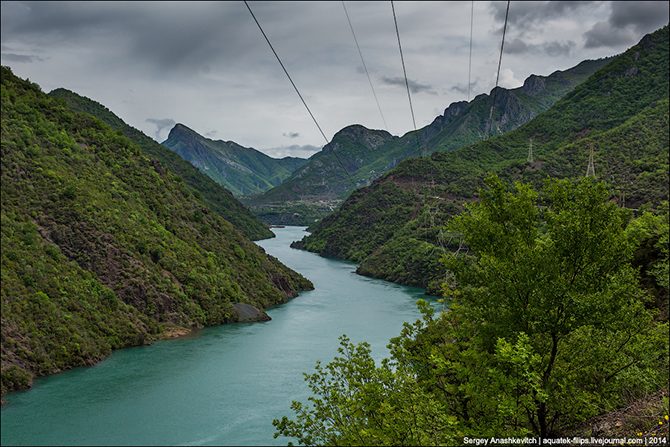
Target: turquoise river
{"points": [[222, 385]]}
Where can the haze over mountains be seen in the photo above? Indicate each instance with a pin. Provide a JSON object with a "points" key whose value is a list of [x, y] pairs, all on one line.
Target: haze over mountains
{"points": [[297, 191]]}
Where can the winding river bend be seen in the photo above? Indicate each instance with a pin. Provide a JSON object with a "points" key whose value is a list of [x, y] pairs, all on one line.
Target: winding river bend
{"points": [[222, 385]]}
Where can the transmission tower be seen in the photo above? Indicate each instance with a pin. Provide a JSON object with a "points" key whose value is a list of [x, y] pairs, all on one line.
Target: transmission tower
{"points": [[530, 152], [591, 169]]}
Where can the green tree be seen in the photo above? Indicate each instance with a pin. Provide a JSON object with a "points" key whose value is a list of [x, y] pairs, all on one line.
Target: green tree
{"points": [[551, 273], [546, 326], [359, 403]]}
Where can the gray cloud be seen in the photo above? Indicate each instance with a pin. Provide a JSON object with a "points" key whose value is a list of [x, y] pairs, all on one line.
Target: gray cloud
{"points": [[627, 20], [177, 37], [552, 49], [211, 134], [207, 64], [21, 58], [516, 46], [463, 88], [555, 49], [604, 35], [643, 16], [414, 86], [291, 134], [533, 13], [460, 88], [161, 124]]}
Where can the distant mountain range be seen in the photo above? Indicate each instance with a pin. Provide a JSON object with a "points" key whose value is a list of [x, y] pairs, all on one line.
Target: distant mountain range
{"points": [[367, 154], [218, 198], [242, 170], [293, 190], [393, 227]]}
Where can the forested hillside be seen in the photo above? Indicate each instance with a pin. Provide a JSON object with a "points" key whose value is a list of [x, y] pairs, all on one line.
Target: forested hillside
{"points": [[243, 170], [217, 198], [393, 227], [103, 247]]}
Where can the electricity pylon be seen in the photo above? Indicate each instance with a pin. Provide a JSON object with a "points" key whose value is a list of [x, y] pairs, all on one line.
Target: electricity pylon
{"points": [[591, 169]]}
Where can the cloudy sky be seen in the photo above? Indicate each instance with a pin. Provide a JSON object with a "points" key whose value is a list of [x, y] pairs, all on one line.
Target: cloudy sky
{"points": [[206, 64]]}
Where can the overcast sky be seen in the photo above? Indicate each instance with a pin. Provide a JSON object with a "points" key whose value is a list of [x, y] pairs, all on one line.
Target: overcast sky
{"points": [[206, 64]]}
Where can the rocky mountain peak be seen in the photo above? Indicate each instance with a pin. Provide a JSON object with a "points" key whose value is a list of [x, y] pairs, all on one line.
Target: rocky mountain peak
{"points": [[180, 131], [455, 109], [534, 84], [361, 134]]}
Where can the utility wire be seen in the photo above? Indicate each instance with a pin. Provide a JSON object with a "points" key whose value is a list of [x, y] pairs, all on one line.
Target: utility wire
{"points": [[472, 16], [495, 90], [402, 59], [365, 67], [286, 71], [298, 91]]}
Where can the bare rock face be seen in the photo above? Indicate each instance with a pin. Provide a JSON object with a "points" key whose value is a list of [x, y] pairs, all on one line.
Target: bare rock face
{"points": [[246, 313], [534, 84]]}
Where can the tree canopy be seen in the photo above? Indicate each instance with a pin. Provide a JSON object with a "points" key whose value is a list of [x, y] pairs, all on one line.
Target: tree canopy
{"points": [[546, 324]]}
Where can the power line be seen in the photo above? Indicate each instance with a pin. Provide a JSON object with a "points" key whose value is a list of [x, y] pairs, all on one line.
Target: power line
{"points": [[286, 71], [402, 59], [472, 16], [495, 90], [297, 91], [365, 67]]}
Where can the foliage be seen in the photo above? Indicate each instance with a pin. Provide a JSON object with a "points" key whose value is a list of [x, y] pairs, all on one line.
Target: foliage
{"points": [[358, 403], [562, 276], [300, 213], [406, 260], [387, 208], [101, 248], [545, 326], [650, 233], [216, 197]]}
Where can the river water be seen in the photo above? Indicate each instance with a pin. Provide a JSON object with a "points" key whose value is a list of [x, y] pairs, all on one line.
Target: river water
{"points": [[222, 385]]}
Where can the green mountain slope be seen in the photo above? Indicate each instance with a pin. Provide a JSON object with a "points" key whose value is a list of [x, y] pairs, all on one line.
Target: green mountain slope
{"points": [[367, 154], [241, 169], [103, 247], [214, 195], [392, 227], [323, 177]]}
